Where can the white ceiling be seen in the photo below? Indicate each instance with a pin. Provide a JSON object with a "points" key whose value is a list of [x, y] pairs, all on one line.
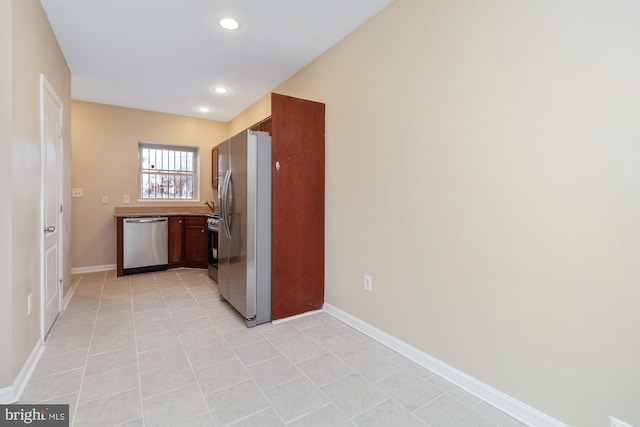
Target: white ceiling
{"points": [[166, 55]]}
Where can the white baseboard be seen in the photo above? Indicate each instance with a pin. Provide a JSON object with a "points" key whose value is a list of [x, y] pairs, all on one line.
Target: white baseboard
{"points": [[12, 394], [7, 395], [67, 298], [617, 423], [496, 398], [297, 316], [93, 269]]}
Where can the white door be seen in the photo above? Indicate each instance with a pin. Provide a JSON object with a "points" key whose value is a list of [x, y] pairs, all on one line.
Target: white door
{"points": [[51, 149]]}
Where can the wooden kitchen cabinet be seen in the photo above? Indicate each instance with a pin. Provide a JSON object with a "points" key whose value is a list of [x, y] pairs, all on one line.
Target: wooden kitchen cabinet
{"points": [[196, 242], [297, 246], [176, 240], [119, 246], [263, 126], [214, 167], [188, 242]]}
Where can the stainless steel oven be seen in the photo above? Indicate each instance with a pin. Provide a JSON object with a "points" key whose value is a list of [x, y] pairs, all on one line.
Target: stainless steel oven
{"points": [[213, 224]]}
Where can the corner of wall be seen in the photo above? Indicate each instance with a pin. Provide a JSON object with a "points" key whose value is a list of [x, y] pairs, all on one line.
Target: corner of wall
{"points": [[499, 400], [6, 136], [260, 110]]}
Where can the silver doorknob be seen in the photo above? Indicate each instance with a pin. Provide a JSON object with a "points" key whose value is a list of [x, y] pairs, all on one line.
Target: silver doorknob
{"points": [[50, 229]]}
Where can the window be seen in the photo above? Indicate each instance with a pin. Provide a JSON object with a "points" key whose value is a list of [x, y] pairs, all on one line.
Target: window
{"points": [[168, 172]]}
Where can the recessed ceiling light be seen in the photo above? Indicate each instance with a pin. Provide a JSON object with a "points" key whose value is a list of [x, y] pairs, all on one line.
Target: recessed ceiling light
{"points": [[221, 90], [204, 109], [229, 23]]}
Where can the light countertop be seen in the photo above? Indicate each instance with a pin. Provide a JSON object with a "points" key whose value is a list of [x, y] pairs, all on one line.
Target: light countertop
{"points": [[121, 211]]}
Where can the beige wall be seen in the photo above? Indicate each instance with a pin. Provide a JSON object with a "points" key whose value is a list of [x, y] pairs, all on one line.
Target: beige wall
{"points": [[105, 162], [482, 166], [5, 202], [34, 50], [259, 111]]}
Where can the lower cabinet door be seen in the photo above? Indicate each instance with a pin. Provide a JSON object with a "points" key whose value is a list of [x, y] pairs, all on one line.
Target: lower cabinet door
{"points": [[176, 240], [195, 242]]}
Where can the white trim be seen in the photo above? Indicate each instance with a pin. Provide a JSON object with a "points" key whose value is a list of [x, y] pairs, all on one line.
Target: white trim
{"points": [[617, 423], [12, 394], [297, 316], [7, 395], [67, 299], [174, 147], [496, 398], [93, 269], [45, 86]]}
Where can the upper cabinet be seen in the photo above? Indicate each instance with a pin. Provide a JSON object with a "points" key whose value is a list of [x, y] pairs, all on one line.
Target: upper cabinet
{"points": [[263, 126], [214, 167]]}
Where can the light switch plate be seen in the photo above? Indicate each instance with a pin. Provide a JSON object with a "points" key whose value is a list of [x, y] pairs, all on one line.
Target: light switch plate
{"points": [[105, 200], [76, 192]]}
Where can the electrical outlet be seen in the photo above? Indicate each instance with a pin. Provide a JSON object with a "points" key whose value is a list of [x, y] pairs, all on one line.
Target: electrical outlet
{"points": [[125, 199], [76, 192], [367, 283], [105, 200], [29, 304]]}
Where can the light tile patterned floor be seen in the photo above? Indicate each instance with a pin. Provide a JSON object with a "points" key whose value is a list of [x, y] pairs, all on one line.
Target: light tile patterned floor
{"points": [[162, 349]]}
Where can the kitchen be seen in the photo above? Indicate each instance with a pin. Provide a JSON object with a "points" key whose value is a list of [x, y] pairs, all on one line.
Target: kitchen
{"points": [[499, 239], [297, 266]]}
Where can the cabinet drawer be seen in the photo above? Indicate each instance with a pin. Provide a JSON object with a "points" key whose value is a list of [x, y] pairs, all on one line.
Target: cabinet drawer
{"points": [[195, 220]]}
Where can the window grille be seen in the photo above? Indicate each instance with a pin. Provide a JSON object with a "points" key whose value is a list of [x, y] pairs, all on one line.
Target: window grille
{"points": [[168, 172]]}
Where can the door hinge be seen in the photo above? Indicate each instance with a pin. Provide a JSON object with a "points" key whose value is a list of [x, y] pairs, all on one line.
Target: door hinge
{"points": [[60, 208], [60, 283], [60, 131]]}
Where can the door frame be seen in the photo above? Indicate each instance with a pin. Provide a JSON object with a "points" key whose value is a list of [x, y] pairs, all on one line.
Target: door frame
{"points": [[45, 86]]}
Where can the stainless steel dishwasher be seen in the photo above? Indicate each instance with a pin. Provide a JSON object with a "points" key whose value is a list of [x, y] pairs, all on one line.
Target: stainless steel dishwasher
{"points": [[145, 245]]}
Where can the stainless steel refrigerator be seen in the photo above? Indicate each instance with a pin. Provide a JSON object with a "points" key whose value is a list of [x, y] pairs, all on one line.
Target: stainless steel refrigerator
{"points": [[244, 239]]}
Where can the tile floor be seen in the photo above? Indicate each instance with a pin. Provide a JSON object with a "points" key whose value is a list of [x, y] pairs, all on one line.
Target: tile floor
{"points": [[162, 349]]}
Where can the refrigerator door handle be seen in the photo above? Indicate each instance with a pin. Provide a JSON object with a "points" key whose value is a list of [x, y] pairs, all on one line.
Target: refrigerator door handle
{"points": [[224, 205], [231, 210]]}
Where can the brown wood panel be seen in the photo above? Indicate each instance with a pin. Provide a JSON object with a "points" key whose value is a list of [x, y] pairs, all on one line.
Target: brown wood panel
{"points": [[298, 206], [214, 167], [176, 240], [119, 241], [266, 126], [195, 241], [263, 125]]}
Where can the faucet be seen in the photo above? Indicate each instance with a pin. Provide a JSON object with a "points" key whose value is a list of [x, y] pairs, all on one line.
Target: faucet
{"points": [[211, 205]]}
